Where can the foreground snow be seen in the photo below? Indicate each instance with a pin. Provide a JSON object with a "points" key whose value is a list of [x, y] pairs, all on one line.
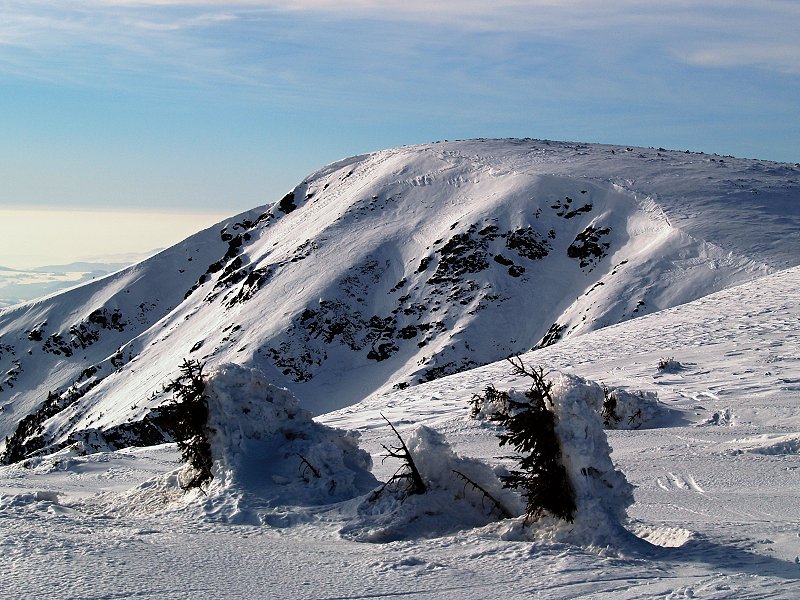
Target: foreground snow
{"points": [[716, 476]]}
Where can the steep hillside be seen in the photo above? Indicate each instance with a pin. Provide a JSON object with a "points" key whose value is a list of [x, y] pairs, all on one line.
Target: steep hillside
{"points": [[396, 268]]}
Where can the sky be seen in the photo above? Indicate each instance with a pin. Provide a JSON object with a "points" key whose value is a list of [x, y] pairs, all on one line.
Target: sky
{"points": [[37, 237], [205, 108]]}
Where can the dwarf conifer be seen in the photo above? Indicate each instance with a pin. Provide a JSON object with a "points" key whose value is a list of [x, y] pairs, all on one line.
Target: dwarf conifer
{"points": [[530, 429]]}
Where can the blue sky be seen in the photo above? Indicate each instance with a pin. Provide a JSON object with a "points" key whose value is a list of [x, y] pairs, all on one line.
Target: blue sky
{"points": [[213, 107]]}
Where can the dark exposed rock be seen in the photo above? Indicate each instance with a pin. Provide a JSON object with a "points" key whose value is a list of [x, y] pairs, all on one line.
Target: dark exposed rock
{"points": [[528, 243], [29, 435], [253, 281], [382, 352], [578, 211], [36, 334], [589, 246], [462, 254], [407, 333], [400, 284], [103, 319], [552, 336], [146, 432], [449, 368], [85, 333], [303, 251], [286, 204], [10, 377]]}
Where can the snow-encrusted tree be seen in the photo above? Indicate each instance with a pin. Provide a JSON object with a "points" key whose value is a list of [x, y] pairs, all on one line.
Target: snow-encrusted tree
{"points": [[186, 420], [529, 425]]}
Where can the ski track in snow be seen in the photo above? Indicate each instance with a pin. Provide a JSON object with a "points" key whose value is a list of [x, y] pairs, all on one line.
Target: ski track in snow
{"points": [[716, 476]]}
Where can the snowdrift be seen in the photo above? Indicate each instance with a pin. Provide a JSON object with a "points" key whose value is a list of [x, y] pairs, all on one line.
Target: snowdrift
{"points": [[450, 504], [619, 408], [273, 464], [264, 444], [270, 458], [466, 493]]}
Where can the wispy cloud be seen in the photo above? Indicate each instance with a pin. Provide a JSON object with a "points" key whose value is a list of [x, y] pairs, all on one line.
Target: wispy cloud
{"points": [[201, 36], [157, 85], [765, 55]]}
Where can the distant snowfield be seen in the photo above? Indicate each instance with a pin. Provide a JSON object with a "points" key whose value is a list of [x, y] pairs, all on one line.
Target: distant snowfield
{"points": [[716, 495], [22, 285]]}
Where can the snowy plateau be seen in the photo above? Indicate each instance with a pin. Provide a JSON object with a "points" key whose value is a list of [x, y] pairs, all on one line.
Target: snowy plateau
{"points": [[396, 284]]}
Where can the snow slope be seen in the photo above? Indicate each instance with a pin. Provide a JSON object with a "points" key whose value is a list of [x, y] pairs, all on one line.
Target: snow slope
{"points": [[396, 268], [716, 512]]}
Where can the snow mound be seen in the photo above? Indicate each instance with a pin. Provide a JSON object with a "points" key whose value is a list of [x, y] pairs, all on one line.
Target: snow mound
{"points": [[721, 418], [269, 457], [466, 493], [602, 494], [632, 410], [159, 494], [450, 504], [771, 445], [620, 408], [15, 500], [670, 365], [265, 446]]}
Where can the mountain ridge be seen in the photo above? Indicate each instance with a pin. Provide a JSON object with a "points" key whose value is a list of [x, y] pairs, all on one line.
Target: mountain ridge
{"points": [[401, 266]]}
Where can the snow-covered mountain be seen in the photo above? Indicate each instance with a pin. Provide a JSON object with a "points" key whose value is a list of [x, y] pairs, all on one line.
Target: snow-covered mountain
{"points": [[390, 269]]}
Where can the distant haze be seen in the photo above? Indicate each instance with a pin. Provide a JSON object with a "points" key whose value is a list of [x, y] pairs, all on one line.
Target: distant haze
{"points": [[34, 238]]}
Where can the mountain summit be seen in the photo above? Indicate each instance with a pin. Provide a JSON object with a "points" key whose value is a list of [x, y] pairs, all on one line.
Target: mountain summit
{"points": [[398, 267]]}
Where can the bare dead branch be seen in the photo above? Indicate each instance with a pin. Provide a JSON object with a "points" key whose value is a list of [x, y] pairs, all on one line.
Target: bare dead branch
{"points": [[540, 384], [486, 495], [408, 470], [306, 466]]}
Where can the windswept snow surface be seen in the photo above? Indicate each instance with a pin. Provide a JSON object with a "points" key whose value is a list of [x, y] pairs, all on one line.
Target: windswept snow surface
{"points": [[716, 512]]}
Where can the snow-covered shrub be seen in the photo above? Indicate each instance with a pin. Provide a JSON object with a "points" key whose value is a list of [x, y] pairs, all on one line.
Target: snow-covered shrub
{"points": [[488, 404], [269, 458], [186, 420], [724, 417], [628, 410], [529, 426], [591, 500], [253, 445], [601, 492], [263, 444], [619, 408], [669, 365], [461, 493]]}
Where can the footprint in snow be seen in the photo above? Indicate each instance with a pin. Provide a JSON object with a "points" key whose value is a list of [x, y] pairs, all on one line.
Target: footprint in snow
{"points": [[674, 481]]}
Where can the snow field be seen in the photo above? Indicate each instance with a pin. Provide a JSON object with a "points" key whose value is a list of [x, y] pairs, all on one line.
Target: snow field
{"points": [[718, 503]]}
